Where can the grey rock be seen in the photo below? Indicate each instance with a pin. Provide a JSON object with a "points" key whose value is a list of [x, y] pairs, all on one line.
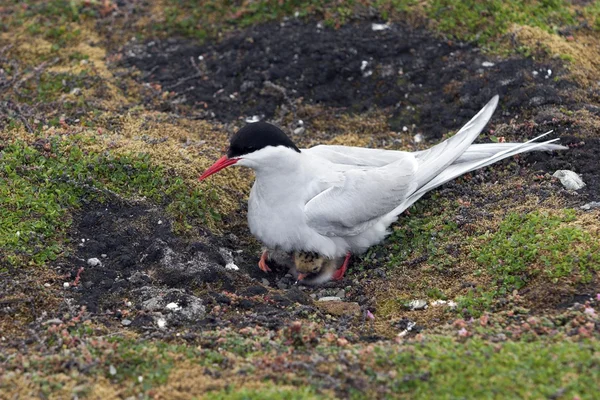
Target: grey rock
{"points": [[94, 262], [591, 205], [125, 322], [417, 304], [569, 179], [189, 307]]}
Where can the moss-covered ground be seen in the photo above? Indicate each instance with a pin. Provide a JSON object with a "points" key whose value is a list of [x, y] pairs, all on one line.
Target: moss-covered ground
{"points": [[97, 148]]}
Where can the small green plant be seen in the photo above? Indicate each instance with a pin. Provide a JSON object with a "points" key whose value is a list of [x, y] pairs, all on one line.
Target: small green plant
{"points": [[528, 244]]}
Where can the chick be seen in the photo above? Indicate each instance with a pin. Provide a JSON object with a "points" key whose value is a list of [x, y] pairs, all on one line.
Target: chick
{"points": [[321, 269]]}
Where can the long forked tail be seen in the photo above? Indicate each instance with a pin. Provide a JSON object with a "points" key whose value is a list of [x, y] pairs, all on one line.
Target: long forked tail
{"points": [[470, 157]]}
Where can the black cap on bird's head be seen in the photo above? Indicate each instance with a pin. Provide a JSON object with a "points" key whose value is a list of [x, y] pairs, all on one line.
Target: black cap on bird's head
{"points": [[256, 136], [250, 138]]}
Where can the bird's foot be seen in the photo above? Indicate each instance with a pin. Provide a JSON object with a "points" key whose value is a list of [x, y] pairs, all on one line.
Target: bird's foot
{"points": [[262, 263], [339, 274]]}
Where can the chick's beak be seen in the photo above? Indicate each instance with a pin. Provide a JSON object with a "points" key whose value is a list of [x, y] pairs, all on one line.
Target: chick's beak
{"points": [[221, 163], [301, 276]]}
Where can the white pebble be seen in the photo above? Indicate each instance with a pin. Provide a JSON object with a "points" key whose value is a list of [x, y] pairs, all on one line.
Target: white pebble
{"points": [[173, 307], [487, 64], [418, 138], [569, 179], [363, 65], [140, 379], [93, 262], [330, 298], [47, 284], [380, 27], [404, 129], [232, 267], [112, 370], [417, 305], [252, 119], [161, 322], [160, 222], [66, 285], [534, 73]]}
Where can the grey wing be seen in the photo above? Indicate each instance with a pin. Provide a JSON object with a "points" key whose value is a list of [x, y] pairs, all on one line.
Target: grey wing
{"points": [[356, 156], [364, 196]]}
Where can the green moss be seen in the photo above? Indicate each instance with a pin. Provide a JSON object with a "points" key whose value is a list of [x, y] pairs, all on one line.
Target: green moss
{"points": [[443, 369], [538, 242], [484, 21], [40, 185], [423, 233], [51, 86]]}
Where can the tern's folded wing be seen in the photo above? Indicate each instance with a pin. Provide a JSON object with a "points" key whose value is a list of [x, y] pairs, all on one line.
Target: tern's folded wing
{"points": [[364, 196]]}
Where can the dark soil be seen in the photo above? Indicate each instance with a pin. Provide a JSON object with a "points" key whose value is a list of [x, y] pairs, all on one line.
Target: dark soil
{"points": [[144, 267], [435, 84], [582, 157]]}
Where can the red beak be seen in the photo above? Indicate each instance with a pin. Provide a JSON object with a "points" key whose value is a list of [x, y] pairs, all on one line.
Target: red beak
{"points": [[301, 276], [221, 163]]}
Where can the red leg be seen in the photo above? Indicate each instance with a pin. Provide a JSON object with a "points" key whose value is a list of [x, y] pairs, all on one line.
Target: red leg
{"points": [[339, 274], [262, 263]]}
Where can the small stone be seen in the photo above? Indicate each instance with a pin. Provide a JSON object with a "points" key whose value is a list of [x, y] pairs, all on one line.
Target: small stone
{"points": [[487, 64], [417, 305], [299, 131], [76, 91], [47, 284], [341, 293], [569, 179], [173, 307], [125, 322], [103, 255], [66, 285], [252, 119], [161, 323], [265, 282], [330, 298], [288, 276], [93, 262], [140, 379], [160, 222], [112, 370], [232, 267], [282, 285], [590, 205], [379, 27], [53, 321], [418, 138]]}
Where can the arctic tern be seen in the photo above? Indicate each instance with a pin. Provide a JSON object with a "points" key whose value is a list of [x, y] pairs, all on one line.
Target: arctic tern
{"points": [[339, 200]]}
